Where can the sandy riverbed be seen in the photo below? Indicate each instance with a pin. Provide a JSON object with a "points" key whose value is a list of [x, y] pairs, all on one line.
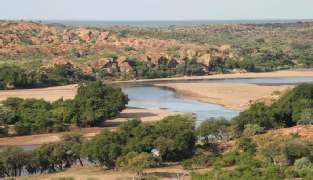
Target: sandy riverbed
{"points": [[275, 74], [69, 91], [48, 94], [232, 96]]}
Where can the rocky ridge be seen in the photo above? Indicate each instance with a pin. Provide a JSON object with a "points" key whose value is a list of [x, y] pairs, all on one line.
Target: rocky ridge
{"points": [[90, 48]]}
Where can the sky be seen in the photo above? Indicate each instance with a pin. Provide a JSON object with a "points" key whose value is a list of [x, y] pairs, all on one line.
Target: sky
{"points": [[155, 9]]}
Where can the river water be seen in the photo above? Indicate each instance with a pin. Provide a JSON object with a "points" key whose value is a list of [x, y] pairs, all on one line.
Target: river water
{"points": [[151, 97]]}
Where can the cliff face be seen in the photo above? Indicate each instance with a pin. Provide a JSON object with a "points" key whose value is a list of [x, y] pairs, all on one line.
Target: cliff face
{"points": [[97, 47]]}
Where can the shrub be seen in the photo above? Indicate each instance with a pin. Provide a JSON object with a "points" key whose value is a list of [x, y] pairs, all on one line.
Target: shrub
{"points": [[203, 158], [303, 163], [252, 129], [283, 150], [295, 105], [246, 145], [213, 129], [12, 161], [229, 159], [3, 132], [186, 164], [258, 114]]}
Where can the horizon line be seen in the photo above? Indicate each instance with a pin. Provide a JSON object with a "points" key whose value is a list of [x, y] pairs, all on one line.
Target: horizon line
{"points": [[164, 20]]}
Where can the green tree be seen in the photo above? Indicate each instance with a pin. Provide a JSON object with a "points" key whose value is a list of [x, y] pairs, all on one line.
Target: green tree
{"points": [[137, 162], [291, 107], [247, 145], [6, 115], [252, 129], [258, 114], [12, 161], [96, 102], [175, 137], [104, 149]]}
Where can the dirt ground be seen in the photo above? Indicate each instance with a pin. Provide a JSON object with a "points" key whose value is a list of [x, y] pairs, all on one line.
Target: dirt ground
{"points": [[96, 173]]}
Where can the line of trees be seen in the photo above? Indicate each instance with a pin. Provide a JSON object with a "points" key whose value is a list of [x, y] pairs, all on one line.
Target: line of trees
{"points": [[12, 76], [94, 103], [127, 148]]}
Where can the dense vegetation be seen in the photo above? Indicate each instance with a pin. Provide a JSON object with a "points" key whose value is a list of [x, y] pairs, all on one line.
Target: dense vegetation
{"points": [[135, 146], [94, 103], [258, 155], [294, 107], [165, 68], [12, 76], [129, 148]]}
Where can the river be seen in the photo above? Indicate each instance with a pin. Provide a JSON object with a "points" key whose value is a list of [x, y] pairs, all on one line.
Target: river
{"points": [[151, 97]]}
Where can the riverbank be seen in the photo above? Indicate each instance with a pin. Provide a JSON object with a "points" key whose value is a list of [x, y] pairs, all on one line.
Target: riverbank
{"points": [[48, 94], [230, 95], [69, 91], [275, 74], [145, 115]]}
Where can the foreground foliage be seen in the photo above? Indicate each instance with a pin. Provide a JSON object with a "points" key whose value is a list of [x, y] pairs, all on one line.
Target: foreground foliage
{"points": [[120, 149]]}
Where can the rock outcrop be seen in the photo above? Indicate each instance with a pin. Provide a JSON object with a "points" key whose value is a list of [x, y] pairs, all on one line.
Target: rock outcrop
{"points": [[97, 48]]}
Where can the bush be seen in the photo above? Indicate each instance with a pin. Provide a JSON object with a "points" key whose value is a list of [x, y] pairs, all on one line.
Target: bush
{"points": [[187, 164], [303, 167], [137, 162], [303, 163], [258, 114], [213, 129], [283, 150], [252, 129], [203, 158], [12, 161], [295, 105], [228, 159], [3, 132], [246, 145]]}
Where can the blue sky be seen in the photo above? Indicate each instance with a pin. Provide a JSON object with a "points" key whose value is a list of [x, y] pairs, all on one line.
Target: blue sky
{"points": [[155, 9]]}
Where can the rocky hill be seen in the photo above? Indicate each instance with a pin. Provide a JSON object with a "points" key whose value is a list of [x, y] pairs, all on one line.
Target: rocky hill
{"points": [[90, 48], [134, 52]]}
